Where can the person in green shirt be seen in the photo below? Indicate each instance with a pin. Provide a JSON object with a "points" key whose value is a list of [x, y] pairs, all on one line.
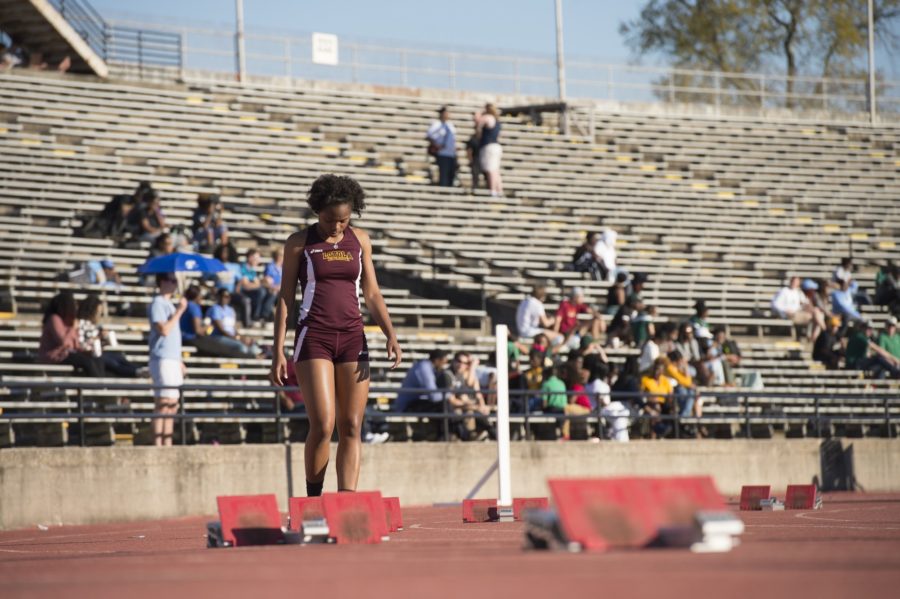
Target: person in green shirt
{"points": [[880, 364], [553, 390], [889, 340]]}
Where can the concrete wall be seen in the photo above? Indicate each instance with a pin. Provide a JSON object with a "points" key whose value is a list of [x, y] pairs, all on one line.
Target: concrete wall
{"points": [[83, 486]]}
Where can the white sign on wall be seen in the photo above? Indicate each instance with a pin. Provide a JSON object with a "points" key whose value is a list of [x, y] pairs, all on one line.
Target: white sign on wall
{"points": [[325, 48]]}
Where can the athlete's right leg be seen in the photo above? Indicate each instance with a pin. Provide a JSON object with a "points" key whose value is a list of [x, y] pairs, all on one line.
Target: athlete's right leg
{"points": [[316, 379]]}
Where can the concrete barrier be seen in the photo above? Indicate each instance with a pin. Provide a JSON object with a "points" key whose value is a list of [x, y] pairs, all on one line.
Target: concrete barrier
{"points": [[85, 486]]}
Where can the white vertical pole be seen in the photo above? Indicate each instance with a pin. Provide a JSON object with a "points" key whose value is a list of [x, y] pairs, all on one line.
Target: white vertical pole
{"points": [[871, 63], [561, 69], [503, 473], [239, 40]]}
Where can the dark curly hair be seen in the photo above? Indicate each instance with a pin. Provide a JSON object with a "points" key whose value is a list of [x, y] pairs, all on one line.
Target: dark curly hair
{"points": [[329, 190]]}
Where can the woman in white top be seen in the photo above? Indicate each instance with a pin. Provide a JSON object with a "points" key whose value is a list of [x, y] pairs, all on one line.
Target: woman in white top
{"points": [[487, 127]]}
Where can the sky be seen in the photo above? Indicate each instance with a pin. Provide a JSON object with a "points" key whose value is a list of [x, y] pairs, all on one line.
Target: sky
{"points": [[523, 26]]}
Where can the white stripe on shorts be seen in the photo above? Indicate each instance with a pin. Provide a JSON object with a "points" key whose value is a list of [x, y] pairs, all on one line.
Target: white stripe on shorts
{"points": [[299, 343]]}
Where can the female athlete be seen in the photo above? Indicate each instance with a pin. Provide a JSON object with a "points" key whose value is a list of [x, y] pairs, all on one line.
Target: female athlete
{"points": [[332, 261]]}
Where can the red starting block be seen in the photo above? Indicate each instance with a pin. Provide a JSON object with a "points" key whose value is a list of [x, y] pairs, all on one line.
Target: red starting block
{"points": [[802, 497], [485, 510], [304, 509], [522, 504], [630, 511], [250, 520], [752, 495], [392, 513], [355, 517]]}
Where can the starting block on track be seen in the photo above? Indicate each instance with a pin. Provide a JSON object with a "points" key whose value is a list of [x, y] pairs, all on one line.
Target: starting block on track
{"points": [[307, 516], [802, 497], [753, 495], [392, 513], [597, 514], [356, 517], [246, 520], [486, 510]]}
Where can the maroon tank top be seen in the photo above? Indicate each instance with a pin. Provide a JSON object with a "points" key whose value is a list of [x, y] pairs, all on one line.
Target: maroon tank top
{"points": [[330, 275]]}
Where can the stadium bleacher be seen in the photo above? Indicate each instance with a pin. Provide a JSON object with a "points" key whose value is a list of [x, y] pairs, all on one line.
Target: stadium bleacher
{"points": [[714, 208]]}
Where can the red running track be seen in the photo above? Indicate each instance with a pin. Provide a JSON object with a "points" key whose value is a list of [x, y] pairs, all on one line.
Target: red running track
{"points": [[850, 548]]}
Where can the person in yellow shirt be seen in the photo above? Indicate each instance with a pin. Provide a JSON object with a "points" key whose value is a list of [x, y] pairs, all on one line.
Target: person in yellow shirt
{"points": [[687, 396], [659, 402]]}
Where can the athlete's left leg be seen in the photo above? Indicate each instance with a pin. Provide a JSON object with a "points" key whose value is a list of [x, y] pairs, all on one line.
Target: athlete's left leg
{"points": [[351, 385]]}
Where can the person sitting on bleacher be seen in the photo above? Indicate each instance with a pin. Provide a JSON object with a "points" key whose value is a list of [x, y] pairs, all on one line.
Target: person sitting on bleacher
{"points": [[146, 220], [113, 221], [617, 293], [790, 303], [531, 315], [827, 348], [225, 340], [843, 304], [250, 285], [887, 288], [585, 260], [864, 354], [620, 331], [207, 223], [729, 353], [567, 323], [59, 337], [658, 403], [228, 280], [424, 374], [100, 343], [272, 274], [605, 250], [466, 398]]}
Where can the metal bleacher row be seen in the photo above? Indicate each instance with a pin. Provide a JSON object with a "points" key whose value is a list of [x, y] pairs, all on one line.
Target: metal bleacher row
{"points": [[720, 209]]}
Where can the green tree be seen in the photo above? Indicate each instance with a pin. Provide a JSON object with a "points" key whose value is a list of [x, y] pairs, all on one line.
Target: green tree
{"points": [[821, 38]]}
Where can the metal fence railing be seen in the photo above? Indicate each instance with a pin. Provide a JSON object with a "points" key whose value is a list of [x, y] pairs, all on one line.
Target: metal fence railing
{"points": [[209, 55], [78, 403]]}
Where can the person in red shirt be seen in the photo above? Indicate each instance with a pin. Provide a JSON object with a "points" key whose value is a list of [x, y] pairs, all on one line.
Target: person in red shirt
{"points": [[568, 324]]}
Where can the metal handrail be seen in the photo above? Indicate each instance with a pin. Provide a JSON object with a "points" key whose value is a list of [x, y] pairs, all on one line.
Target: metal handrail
{"points": [[745, 418]]}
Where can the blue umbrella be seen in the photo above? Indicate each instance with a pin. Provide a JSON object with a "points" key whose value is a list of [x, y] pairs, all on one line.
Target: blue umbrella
{"points": [[180, 262]]}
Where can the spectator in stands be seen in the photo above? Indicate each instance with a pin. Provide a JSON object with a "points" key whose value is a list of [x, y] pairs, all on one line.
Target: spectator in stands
{"points": [[617, 293], [441, 138], [689, 347], [224, 334], [597, 387], [887, 288], [699, 321], [191, 322], [7, 59], [816, 292], [730, 354], [553, 391], [643, 325], [658, 345], [96, 341], [585, 260], [166, 365], [843, 304], [228, 279], [534, 378], [251, 285], [790, 303], [620, 331], [466, 398], [578, 401], [473, 154], [567, 323], [659, 386], [888, 339], [844, 272], [879, 363], [113, 221], [827, 348], [149, 218], [59, 337], [424, 374], [686, 394], [636, 288], [628, 382], [208, 224], [605, 251], [489, 149], [616, 414], [531, 316], [272, 274]]}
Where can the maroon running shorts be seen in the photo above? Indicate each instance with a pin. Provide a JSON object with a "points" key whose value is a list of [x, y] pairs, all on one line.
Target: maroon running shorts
{"points": [[335, 346]]}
